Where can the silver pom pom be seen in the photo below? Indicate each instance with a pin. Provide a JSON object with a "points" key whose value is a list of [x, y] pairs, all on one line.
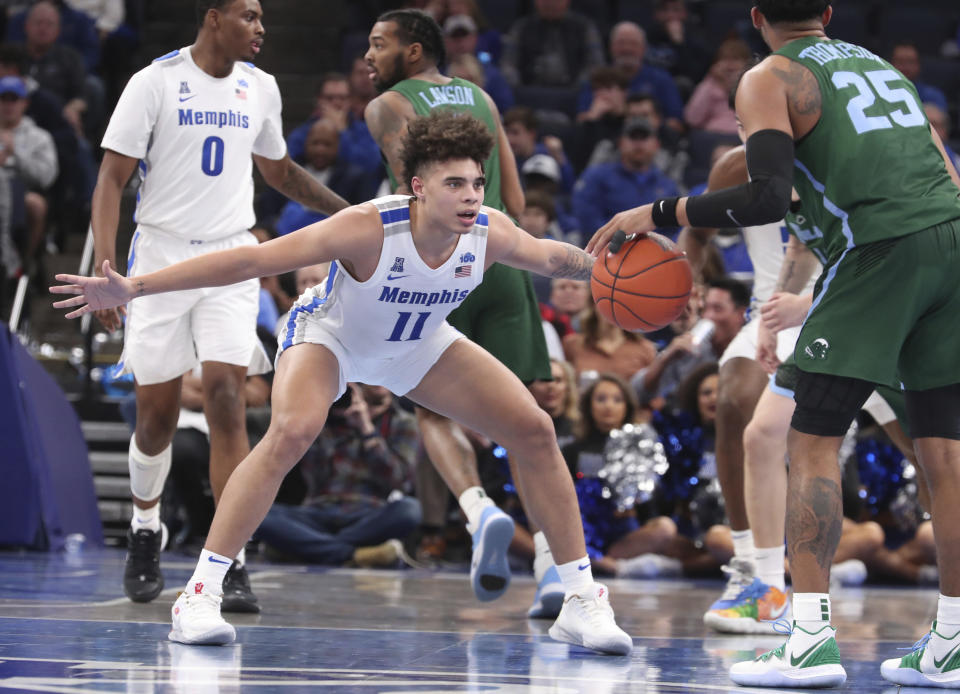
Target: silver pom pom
{"points": [[634, 460]]}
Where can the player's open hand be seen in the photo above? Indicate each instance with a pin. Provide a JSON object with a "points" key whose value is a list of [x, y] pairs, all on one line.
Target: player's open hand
{"points": [[638, 221], [93, 293]]}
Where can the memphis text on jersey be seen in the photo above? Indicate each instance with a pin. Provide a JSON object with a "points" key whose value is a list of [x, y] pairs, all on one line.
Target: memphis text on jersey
{"points": [[221, 119], [394, 295]]}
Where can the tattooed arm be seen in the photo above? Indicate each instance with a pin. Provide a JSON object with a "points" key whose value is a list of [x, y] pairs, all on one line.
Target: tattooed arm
{"points": [[386, 117], [510, 245], [292, 180]]}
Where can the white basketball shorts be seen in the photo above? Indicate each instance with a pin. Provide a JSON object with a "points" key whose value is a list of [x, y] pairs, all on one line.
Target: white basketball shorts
{"points": [[167, 335], [745, 343]]}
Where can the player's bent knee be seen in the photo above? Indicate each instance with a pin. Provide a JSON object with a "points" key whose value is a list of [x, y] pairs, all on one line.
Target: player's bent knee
{"points": [[827, 404], [664, 529], [934, 413], [873, 534], [289, 437]]}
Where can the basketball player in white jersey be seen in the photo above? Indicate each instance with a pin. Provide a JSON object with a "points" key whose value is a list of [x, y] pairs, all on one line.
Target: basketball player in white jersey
{"points": [[401, 264], [191, 120]]}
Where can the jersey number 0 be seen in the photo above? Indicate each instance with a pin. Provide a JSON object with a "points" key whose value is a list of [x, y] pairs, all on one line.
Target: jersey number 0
{"points": [[212, 160]]}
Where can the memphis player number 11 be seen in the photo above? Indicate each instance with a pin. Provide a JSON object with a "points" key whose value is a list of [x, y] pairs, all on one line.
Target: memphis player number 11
{"points": [[211, 162], [867, 97]]}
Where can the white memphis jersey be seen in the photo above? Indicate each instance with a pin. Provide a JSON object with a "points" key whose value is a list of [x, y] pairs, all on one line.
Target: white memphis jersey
{"points": [[766, 245], [194, 135], [404, 300]]}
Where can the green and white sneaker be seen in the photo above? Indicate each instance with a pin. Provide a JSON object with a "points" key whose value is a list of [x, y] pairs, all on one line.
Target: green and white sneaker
{"points": [[806, 659], [934, 661]]}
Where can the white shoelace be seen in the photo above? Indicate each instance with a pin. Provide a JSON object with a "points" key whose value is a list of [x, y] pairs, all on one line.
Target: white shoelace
{"points": [[203, 606]]}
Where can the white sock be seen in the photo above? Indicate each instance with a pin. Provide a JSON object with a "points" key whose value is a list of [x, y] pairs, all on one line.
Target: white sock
{"points": [[948, 615], [209, 574], [769, 562], [743, 544], [242, 556], [543, 558], [811, 611], [473, 501], [577, 576], [146, 518]]}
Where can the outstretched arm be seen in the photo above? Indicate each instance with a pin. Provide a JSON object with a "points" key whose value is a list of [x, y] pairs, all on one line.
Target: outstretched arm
{"points": [[292, 180], [320, 242], [510, 245]]}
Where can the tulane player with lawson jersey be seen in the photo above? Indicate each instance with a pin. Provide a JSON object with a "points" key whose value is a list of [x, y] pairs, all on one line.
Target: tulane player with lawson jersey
{"points": [[400, 265], [502, 315], [847, 130], [193, 122]]}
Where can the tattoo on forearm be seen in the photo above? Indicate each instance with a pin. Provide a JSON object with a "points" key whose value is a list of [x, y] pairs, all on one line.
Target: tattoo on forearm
{"points": [[814, 520], [388, 127], [140, 288], [302, 187], [802, 88], [572, 263]]}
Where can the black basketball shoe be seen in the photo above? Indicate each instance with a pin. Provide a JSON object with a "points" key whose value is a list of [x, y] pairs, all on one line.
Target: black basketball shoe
{"points": [[142, 580], [237, 594]]}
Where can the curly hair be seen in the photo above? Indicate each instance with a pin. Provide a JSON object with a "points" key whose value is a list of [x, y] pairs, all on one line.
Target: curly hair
{"points": [[416, 26], [791, 10], [204, 6], [442, 135]]}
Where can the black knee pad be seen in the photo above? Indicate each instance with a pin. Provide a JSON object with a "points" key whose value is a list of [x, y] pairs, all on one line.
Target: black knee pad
{"points": [[934, 413], [827, 404]]}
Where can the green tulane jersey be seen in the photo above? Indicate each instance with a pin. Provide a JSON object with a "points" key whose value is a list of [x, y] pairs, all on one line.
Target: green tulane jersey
{"points": [[869, 169], [459, 95], [810, 235]]}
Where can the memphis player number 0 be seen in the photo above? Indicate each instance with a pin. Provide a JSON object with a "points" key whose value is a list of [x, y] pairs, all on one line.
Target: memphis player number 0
{"points": [[212, 160]]}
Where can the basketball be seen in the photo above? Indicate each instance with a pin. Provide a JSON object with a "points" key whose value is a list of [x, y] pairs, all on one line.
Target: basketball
{"points": [[644, 286]]}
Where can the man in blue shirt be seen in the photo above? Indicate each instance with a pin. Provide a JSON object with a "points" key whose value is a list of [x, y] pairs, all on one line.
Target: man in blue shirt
{"points": [[628, 45], [633, 180]]}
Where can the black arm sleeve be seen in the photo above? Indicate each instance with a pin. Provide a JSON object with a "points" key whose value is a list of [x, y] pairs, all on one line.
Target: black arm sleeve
{"points": [[764, 199]]}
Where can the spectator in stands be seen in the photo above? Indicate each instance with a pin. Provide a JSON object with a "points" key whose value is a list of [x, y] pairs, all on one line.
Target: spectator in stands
{"points": [[107, 15], [674, 45], [28, 154], [941, 123], [73, 186], [605, 189], [522, 126], [709, 105], [558, 398], [461, 38], [628, 45], [553, 47], [670, 158], [725, 304], [601, 346], [611, 536], [603, 120], [335, 102], [74, 28], [656, 385], [906, 58], [541, 173], [325, 163], [357, 473], [566, 302], [54, 66]]}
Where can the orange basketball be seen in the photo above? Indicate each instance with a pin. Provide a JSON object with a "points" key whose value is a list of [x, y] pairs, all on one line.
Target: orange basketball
{"points": [[644, 286]]}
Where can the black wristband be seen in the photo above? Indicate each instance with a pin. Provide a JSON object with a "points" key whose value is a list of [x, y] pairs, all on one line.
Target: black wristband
{"points": [[371, 435], [665, 212]]}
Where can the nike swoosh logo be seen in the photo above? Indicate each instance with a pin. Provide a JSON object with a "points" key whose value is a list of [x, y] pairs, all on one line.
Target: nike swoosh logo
{"points": [[940, 663], [187, 98], [396, 277], [217, 561], [661, 207], [734, 219], [584, 567], [803, 656]]}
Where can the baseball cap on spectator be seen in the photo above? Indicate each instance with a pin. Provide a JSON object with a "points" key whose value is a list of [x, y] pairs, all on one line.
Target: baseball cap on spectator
{"points": [[542, 165], [13, 85], [638, 126], [459, 25]]}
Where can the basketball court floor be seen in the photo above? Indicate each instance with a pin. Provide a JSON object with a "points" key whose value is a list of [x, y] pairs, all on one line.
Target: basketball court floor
{"points": [[66, 627]]}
